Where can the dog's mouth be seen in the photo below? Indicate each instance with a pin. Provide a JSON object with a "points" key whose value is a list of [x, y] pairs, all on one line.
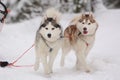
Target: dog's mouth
{"points": [[85, 32]]}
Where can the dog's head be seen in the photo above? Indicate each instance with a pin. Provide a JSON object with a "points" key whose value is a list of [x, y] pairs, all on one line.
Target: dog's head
{"points": [[87, 24], [50, 29]]}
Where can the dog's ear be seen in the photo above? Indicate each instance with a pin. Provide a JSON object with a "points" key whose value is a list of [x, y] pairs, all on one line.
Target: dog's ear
{"points": [[92, 19], [57, 17], [91, 15], [97, 25], [43, 19], [75, 20], [82, 15]]}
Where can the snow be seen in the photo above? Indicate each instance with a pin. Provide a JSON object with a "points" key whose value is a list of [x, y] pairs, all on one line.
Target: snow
{"points": [[103, 58]]}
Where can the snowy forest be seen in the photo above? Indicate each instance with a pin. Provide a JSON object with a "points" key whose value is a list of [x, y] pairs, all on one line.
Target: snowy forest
{"points": [[27, 9]]}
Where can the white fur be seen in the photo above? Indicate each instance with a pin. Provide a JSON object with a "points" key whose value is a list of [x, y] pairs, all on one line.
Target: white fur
{"points": [[43, 54], [90, 28], [54, 33], [52, 12]]}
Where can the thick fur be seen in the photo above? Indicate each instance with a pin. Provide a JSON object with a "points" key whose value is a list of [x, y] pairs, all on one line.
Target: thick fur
{"points": [[47, 42], [80, 39]]}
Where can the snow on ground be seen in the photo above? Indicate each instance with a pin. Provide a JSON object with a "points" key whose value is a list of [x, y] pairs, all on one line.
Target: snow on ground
{"points": [[103, 58]]}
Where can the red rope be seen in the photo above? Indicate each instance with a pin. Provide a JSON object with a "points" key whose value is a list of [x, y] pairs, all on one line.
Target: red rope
{"points": [[13, 63], [20, 65]]}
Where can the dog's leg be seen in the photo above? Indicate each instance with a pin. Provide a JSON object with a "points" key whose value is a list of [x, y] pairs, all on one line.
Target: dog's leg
{"points": [[52, 57], [77, 64], [65, 49], [37, 59], [82, 62], [80, 54], [88, 50], [64, 53], [44, 62]]}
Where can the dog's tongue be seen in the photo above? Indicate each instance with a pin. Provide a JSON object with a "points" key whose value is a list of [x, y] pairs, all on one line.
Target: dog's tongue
{"points": [[85, 32]]}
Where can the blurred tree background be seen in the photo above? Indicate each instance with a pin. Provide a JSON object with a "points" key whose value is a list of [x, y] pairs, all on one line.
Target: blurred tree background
{"points": [[27, 9]]}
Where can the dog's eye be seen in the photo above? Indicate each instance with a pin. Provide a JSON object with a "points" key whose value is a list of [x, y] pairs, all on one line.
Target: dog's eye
{"points": [[89, 23], [46, 28], [53, 28], [83, 23], [80, 20]]}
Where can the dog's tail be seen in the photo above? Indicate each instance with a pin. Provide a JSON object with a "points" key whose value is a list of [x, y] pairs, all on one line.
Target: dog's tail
{"points": [[53, 13]]}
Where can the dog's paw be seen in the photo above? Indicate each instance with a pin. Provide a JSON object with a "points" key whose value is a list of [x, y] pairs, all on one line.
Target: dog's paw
{"points": [[50, 71], [62, 63], [88, 70], [36, 67], [84, 68], [78, 68]]}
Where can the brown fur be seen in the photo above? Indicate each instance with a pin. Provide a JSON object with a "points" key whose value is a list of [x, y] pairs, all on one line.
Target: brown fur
{"points": [[87, 17], [71, 32]]}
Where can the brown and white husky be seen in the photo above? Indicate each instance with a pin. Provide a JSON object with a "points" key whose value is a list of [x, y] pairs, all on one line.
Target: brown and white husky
{"points": [[80, 37]]}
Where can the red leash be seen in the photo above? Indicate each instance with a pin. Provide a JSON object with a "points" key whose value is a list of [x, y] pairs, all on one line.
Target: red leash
{"points": [[13, 63]]}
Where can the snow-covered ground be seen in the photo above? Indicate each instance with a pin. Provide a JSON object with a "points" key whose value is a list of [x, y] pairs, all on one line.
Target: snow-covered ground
{"points": [[103, 58]]}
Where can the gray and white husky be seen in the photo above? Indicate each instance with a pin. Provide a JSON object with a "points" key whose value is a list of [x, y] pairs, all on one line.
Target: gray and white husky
{"points": [[48, 40]]}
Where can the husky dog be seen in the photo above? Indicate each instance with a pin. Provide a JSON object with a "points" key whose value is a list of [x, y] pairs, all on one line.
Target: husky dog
{"points": [[80, 36], [48, 40]]}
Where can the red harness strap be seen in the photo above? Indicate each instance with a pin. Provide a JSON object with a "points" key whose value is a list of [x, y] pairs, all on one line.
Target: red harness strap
{"points": [[87, 44], [20, 65], [13, 63]]}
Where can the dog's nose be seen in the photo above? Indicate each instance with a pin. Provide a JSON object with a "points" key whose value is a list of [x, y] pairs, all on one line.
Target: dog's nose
{"points": [[49, 35], [84, 28]]}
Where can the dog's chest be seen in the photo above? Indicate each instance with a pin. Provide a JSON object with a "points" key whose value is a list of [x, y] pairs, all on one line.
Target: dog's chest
{"points": [[54, 44], [87, 39]]}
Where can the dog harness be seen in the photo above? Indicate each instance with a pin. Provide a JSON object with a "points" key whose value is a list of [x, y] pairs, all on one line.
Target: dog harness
{"points": [[88, 35], [50, 49], [83, 39]]}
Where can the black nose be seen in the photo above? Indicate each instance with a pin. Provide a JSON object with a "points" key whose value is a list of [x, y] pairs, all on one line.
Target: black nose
{"points": [[49, 35], [84, 28]]}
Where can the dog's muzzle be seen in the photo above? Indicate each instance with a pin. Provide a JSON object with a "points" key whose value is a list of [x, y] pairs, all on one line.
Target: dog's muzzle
{"points": [[85, 30], [49, 35]]}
